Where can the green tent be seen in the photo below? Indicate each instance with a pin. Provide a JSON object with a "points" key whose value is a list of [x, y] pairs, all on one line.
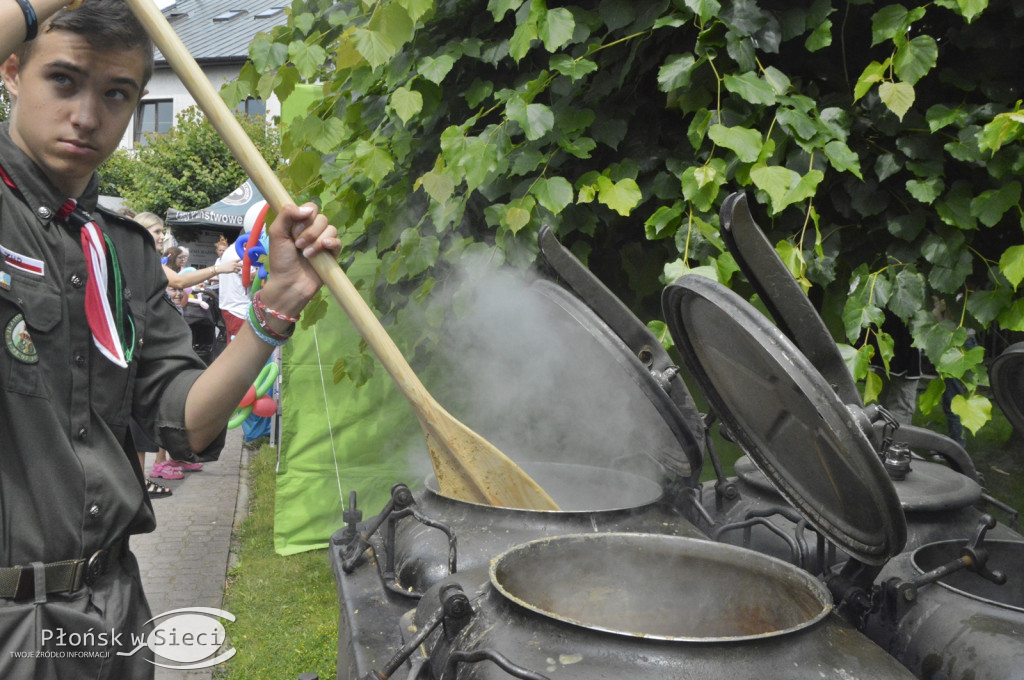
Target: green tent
{"points": [[337, 438]]}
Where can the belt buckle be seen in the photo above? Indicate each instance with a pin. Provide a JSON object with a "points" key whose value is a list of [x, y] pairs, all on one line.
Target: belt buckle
{"points": [[95, 566]]}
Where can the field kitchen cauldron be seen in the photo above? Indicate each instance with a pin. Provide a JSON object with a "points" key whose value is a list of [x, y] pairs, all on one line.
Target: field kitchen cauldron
{"points": [[385, 564], [939, 501], [949, 607], [429, 587]]}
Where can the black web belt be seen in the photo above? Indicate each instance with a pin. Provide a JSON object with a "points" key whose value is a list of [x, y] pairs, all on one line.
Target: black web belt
{"points": [[68, 576]]}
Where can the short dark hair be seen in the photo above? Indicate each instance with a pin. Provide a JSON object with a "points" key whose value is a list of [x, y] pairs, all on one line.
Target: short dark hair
{"points": [[103, 24]]}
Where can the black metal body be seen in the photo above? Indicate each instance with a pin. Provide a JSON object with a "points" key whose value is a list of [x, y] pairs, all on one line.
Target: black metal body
{"points": [[938, 504], [621, 584], [408, 549], [633, 606], [947, 602], [960, 626]]}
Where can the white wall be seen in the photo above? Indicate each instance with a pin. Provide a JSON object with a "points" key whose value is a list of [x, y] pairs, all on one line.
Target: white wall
{"points": [[166, 85]]}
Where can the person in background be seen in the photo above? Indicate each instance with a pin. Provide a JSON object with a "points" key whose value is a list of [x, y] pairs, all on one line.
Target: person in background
{"points": [[221, 245], [93, 341], [177, 258], [234, 302], [175, 277], [899, 390], [163, 467]]}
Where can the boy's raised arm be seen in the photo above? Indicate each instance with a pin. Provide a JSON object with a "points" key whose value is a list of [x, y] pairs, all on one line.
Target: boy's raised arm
{"points": [[20, 17]]}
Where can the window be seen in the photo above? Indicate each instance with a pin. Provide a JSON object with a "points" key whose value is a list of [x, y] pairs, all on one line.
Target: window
{"points": [[230, 14], [154, 116], [253, 107], [267, 13]]}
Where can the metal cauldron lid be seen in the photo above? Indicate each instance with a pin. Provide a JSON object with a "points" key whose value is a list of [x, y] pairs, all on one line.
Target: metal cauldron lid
{"points": [[786, 417], [684, 454], [1007, 376], [598, 310]]}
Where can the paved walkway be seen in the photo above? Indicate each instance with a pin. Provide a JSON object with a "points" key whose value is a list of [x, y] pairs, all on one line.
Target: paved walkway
{"points": [[185, 561]]}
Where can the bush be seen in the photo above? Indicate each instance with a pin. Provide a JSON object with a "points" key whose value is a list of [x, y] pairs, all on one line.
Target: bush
{"points": [[188, 168], [881, 145]]}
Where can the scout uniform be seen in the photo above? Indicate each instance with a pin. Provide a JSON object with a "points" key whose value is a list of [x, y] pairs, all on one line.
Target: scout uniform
{"points": [[71, 490]]}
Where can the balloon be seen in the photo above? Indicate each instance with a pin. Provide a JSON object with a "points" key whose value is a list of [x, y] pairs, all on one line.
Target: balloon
{"points": [[264, 407], [249, 397], [240, 245], [239, 416]]}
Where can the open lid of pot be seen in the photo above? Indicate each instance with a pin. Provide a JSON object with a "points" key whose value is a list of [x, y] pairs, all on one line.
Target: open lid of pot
{"points": [[670, 440], [1007, 376], [786, 417], [634, 348]]}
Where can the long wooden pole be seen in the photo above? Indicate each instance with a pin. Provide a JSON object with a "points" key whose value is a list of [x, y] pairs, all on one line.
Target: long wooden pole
{"points": [[466, 465]]}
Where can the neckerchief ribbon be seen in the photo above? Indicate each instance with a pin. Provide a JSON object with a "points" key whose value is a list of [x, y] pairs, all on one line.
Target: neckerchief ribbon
{"points": [[110, 326], [108, 334]]}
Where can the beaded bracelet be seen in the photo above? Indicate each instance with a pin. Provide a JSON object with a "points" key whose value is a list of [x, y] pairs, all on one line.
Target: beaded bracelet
{"points": [[259, 323], [265, 333], [257, 300], [31, 20]]}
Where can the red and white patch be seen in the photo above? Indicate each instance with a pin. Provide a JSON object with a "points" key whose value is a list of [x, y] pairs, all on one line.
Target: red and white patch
{"points": [[22, 263]]}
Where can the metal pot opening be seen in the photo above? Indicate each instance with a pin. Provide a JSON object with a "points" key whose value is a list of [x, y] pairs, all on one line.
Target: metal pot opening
{"points": [[583, 488], [1004, 556], [660, 587]]}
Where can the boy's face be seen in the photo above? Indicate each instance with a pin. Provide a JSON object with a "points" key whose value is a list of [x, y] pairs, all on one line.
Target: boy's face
{"points": [[72, 103]]}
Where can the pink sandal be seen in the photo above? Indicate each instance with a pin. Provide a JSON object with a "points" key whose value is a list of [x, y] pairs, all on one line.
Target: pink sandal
{"points": [[182, 465], [166, 471]]}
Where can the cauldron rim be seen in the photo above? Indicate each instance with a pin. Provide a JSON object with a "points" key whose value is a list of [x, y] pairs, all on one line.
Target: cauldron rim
{"points": [[651, 491], [744, 556], [914, 561]]}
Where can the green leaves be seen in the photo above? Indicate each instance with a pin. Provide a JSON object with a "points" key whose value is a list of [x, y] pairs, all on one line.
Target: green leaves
{"points": [[554, 193], [785, 187], [621, 196], [406, 103], [536, 120], [676, 72], [744, 141], [471, 124], [898, 97]]}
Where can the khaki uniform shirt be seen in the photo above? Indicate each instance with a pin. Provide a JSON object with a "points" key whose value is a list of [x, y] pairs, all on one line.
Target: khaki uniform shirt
{"points": [[70, 482]]}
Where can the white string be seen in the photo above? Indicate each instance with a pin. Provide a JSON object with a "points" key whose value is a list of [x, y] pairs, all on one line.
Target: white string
{"points": [[330, 429]]}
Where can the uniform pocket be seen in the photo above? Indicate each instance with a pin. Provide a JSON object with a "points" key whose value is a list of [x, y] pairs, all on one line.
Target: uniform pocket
{"points": [[29, 314]]}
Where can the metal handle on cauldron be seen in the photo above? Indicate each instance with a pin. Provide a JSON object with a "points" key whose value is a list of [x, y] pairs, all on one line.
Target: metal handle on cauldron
{"points": [[973, 557], [499, 660], [454, 612], [354, 542]]}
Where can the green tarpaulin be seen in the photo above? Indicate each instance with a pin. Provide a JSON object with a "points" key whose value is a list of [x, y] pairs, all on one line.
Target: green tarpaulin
{"points": [[336, 438]]}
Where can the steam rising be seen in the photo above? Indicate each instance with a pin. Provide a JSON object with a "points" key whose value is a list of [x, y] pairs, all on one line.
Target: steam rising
{"points": [[524, 373]]}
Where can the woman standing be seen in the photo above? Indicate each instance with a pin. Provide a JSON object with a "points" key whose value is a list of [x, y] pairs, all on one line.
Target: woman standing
{"points": [[177, 258]]}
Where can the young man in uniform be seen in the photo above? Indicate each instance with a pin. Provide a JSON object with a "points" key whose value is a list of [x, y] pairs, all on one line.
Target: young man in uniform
{"points": [[90, 340]]}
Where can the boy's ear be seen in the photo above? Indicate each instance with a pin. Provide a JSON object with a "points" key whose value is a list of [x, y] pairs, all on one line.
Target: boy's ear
{"points": [[9, 71]]}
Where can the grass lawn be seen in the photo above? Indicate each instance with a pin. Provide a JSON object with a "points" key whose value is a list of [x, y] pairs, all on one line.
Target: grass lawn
{"points": [[286, 608]]}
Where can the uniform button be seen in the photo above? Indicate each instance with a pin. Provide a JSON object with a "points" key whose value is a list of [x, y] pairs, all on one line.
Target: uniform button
{"points": [[83, 433], [79, 359], [44, 212], [94, 511], [76, 280], [127, 293]]}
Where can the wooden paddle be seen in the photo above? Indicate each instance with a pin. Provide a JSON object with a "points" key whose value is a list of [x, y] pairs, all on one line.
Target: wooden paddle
{"points": [[468, 467]]}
